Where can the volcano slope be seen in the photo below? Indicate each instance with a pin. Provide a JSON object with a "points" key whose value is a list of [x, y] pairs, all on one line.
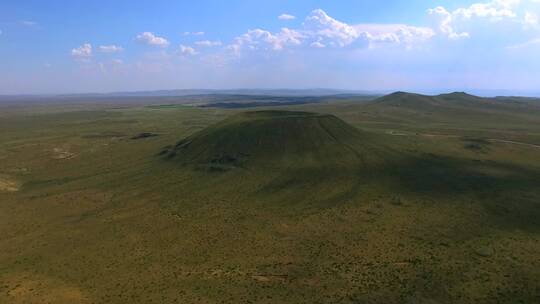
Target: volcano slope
{"points": [[279, 139], [264, 207], [283, 154]]}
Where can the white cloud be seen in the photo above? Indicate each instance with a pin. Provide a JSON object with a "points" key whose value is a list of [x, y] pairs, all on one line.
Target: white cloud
{"points": [[151, 39], [318, 23], [28, 23], [530, 19], [258, 39], [494, 10], [110, 49], [395, 33], [208, 43], [320, 31], [530, 43], [286, 17], [193, 33], [187, 51], [331, 32], [317, 45], [82, 52], [445, 21]]}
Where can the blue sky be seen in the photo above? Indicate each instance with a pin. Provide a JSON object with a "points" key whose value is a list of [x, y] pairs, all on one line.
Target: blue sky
{"points": [[77, 46]]}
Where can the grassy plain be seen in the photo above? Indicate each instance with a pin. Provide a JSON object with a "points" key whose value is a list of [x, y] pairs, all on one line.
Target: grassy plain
{"points": [[443, 208]]}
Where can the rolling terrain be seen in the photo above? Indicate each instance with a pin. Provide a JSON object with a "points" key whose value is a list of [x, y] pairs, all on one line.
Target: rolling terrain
{"points": [[402, 199]]}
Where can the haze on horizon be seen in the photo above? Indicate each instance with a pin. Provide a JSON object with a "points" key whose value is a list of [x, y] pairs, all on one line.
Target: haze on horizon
{"points": [[104, 46]]}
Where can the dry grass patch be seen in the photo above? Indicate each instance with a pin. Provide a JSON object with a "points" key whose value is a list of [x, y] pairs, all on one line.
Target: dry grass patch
{"points": [[8, 184], [28, 288]]}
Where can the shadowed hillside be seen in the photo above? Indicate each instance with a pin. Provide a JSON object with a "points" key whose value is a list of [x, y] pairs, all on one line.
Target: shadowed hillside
{"points": [[317, 160]]}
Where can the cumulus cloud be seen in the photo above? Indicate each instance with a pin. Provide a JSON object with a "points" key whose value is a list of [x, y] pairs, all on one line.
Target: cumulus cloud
{"points": [[445, 21], [319, 30], [286, 17], [110, 49], [82, 52], [258, 39], [319, 24], [328, 31], [399, 34], [208, 43], [150, 39], [187, 50], [495, 10]]}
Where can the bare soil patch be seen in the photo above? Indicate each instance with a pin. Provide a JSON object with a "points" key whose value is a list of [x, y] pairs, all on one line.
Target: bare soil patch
{"points": [[8, 184]]}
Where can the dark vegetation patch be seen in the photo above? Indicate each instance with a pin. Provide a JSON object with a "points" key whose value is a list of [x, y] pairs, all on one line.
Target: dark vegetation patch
{"points": [[476, 144], [239, 102], [223, 162], [444, 176], [165, 150], [249, 101], [107, 134], [241, 105], [144, 135], [167, 106], [228, 159]]}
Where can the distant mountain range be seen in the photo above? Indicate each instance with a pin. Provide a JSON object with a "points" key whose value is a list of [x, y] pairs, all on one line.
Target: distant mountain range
{"points": [[259, 92], [268, 92], [245, 98], [456, 99]]}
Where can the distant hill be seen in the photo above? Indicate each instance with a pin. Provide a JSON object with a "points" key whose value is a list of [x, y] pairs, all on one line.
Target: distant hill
{"points": [[455, 101], [242, 98], [399, 99], [264, 92], [249, 98], [252, 92], [274, 138]]}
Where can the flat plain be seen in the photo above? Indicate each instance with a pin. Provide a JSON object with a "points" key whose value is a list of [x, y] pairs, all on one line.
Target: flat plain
{"points": [[402, 199]]}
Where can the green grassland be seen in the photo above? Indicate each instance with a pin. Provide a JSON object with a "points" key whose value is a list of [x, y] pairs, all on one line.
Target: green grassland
{"points": [[405, 199]]}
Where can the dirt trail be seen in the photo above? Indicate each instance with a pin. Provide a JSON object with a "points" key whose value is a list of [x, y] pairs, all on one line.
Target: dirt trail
{"points": [[514, 142], [488, 139]]}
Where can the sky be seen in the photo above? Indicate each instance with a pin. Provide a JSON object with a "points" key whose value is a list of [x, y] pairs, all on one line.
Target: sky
{"points": [[61, 46]]}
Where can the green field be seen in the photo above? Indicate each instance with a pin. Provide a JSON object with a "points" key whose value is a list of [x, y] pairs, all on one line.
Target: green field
{"points": [[404, 199]]}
